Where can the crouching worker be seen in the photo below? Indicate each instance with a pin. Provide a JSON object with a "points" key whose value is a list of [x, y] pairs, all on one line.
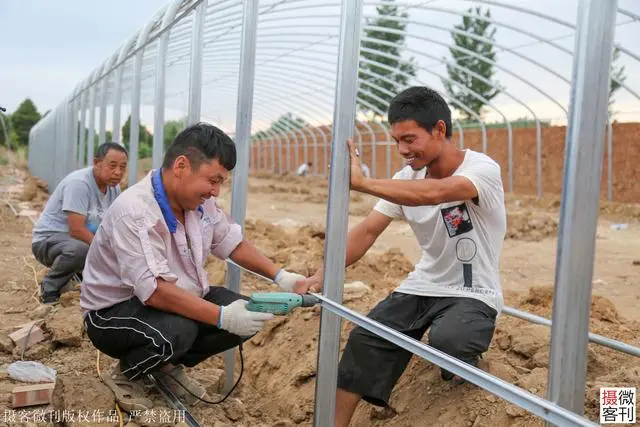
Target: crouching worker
{"points": [[64, 231], [145, 294], [454, 201]]}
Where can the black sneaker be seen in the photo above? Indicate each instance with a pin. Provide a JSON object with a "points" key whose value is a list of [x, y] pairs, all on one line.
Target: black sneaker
{"points": [[49, 297]]}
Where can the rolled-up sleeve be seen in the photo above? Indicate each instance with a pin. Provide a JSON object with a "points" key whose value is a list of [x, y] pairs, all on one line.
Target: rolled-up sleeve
{"points": [[141, 254], [227, 235]]}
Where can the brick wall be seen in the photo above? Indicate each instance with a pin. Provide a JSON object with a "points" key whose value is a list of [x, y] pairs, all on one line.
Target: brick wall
{"points": [[626, 153]]}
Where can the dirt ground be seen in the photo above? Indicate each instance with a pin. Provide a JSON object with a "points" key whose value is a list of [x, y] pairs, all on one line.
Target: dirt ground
{"points": [[285, 218]]}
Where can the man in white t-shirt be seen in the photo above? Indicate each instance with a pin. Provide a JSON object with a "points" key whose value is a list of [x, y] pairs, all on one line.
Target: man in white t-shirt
{"points": [[365, 170], [304, 169], [454, 202]]}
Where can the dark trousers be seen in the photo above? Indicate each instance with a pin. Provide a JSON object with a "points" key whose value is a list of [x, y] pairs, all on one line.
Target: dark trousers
{"points": [[370, 365], [144, 338], [64, 255]]}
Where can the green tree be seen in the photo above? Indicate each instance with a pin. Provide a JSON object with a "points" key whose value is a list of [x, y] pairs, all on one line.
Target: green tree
{"points": [[387, 47], [23, 119], [285, 121], [617, 72], [171, 129], [475, 27], [145, 141], [5, 121]]}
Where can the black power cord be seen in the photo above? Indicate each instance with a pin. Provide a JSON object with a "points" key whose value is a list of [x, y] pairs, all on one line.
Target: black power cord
{"points": [[205, 400]]}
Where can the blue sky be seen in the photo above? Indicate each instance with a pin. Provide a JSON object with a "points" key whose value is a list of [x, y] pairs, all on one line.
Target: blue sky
{"points": [[48, 47]]}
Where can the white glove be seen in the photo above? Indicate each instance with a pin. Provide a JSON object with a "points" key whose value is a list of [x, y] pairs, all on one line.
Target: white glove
{"points": [[287, 280], [236, 319]]}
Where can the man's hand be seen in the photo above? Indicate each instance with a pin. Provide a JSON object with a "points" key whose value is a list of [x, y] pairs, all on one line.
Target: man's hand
{"points": [[358, 179], [310, 284], [287, 281], [236, 319]]}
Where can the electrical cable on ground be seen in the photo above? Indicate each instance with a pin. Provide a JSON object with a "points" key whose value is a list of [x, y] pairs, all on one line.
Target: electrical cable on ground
{"points": [[120, 417]]}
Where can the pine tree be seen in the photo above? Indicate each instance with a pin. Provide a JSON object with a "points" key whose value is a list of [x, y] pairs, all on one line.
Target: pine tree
{"points": [[467, 83], [617, 73], [394, 79]]}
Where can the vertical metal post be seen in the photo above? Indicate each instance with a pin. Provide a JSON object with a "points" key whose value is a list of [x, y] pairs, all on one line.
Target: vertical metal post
{"points": [[161, 76], [460, 134], [73, 140], [388, 150], [117, 107], [539, 156], [609, 160], [82, 135], [158, 109], [195, 72], [326, 151], [510, 155], [272, 146], [286, 135], [344, 115], [243, 134], [102, 122], [134, 128], [580, 199], [92, 123]]}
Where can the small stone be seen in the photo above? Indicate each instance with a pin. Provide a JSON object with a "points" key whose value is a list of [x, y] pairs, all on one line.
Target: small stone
{"points": [[234, 410], [514, 411], [282, 423], [41, 312], [491, 398], [66, 327], [522, 369], [298, 415], [6, 345], [255, 412], [307, 316], [383, 413]]}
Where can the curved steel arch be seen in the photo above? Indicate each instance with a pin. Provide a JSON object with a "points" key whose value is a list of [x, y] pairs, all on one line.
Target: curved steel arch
{"points": [[501, 24], [453, 100], [548, 18]]}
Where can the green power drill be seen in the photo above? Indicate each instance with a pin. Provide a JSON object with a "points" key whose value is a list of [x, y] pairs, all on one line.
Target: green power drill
{"points": [[279, 302]]}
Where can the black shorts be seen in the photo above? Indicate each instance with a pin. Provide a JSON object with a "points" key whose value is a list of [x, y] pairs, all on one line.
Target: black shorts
{"points": [[370, 366]]}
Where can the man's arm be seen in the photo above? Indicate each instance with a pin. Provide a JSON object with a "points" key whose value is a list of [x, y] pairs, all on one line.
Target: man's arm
{"points": [[404, 192], [170, 298], [75, 203], [359, 239], [419, 192], [142, 262], [78, 229], [248, 256]]}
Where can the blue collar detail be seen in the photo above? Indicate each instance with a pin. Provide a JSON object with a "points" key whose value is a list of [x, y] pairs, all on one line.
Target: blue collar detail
{"points": [[160, 195]]}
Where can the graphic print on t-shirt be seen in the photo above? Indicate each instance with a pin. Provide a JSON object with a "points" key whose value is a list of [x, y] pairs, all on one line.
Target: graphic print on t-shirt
{"points": [[457, 219], [466, 250]]}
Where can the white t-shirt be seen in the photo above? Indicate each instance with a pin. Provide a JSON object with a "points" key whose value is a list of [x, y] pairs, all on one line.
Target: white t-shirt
{"points": [[365, 170], [303, 170], [460, 241]]}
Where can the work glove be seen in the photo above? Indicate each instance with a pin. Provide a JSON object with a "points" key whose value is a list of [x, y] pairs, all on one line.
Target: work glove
{"points": [[287, 280], [236, 319]]}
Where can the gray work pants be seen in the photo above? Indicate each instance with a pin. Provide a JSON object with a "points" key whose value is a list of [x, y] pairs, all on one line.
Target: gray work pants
{"points": [[64, 255]]}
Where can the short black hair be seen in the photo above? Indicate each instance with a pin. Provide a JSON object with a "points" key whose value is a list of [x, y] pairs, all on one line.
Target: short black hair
{"points": [[200, 142], [423, 105], [104, 148]]}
